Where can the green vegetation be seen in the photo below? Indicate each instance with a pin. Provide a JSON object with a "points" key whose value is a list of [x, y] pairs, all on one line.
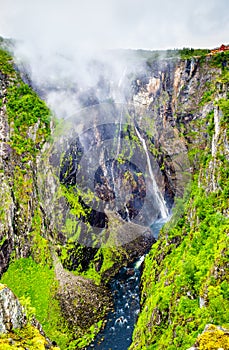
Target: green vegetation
{"points": [[185, 282], [87, 338], [40, 247], [6, 66], [220, 59], [26, 338], [28, 119], [186, 53], [223, 104], [181, 268], [207, 97], [25, 109], [35, 286]]}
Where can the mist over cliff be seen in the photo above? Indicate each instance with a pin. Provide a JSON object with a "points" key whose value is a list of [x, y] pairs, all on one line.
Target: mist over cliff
{"points": [[103, 141], [68, 47]]}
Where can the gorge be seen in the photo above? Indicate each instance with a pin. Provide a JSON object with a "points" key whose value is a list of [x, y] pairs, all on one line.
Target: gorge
{"points": [[80, 195]]}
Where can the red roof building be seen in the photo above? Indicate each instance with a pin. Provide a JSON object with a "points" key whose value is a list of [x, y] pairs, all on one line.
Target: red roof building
{"points": [[222, 48]]}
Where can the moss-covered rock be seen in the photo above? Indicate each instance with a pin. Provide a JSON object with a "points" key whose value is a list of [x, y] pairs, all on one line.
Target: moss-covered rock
{"points": [[212, 338], [186, 275], [27, 337], [185, 281], [16, 332]]}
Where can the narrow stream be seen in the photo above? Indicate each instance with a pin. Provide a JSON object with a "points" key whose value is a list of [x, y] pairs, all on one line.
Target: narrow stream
{"points": [[117, 333]]}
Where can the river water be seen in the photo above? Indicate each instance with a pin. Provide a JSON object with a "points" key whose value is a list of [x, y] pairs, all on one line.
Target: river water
{"points": [[118, 331]]}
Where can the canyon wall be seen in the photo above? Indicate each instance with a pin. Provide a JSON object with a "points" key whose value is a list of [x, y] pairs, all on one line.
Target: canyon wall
{"points": [[185, 277], [171, 128]]}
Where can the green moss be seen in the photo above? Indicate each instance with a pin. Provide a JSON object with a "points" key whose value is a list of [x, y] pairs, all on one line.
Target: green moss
{"points": [[213, 339], [34, 284], [207, 97], [25, 109], [223, 104], [186, 276], [26, 338], [40, 248], [73, 197], [6, 66], [89, 337]]}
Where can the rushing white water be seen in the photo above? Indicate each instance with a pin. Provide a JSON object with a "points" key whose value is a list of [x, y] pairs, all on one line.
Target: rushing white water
{"points": [[125, 288], [119, 133], [118, 331], [158, 196], [139, 262]]}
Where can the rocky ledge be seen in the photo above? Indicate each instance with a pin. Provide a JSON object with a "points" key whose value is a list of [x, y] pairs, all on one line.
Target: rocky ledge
{"points": [[16, 332]]}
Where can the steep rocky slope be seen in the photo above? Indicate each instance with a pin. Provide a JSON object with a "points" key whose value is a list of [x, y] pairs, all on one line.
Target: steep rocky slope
{"points": [[24, 230], [24, 126], [17, 332], [170, 115], [185, 278]]}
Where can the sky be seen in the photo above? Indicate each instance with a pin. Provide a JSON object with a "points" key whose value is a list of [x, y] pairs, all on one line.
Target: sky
{"points": [[57, 39], [98, 24]]}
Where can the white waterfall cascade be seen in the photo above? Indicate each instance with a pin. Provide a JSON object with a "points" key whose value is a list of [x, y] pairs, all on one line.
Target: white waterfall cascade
{"points": [[121, 113], [117, 186], [139, 261], [158, 196]]}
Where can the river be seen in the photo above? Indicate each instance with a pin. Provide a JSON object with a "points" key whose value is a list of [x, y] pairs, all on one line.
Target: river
{"points": [[125, 288]]}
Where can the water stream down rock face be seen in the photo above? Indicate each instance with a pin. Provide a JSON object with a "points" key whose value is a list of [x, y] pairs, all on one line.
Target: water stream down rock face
{"points": [[91, 193]]}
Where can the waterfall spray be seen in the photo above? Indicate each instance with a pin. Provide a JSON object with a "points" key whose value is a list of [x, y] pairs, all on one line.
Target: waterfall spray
{"points": [[158, 196]]}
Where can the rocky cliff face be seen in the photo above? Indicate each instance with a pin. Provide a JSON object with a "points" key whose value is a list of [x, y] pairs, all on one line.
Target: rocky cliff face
{"points": [[24, 126], [147, 149], [163, 100], [24, 225], [12, 314], [185, 278], [170, 92], [15, 330]]}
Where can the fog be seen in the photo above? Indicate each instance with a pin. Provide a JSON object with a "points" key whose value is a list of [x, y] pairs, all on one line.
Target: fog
{"points": [[56, 39], [70, 24]]}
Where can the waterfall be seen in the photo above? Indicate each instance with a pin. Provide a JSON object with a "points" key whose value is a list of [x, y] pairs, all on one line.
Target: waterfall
{"points": [[117, 186], [119, 133], [121, 113], [127, 213], [158, 196]]}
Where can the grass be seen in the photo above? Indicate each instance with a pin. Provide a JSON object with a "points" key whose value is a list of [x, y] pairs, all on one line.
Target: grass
{"points": [[36, 284]]}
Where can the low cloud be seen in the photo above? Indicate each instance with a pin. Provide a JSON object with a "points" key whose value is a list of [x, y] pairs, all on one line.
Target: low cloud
{"points": [[97, 24], [58, 38]]}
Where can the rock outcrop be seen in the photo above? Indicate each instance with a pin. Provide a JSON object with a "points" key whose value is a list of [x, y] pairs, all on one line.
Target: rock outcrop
{"points": [[213, 337], [12, 314], [15, 330], [185, 284], [178, 108]]}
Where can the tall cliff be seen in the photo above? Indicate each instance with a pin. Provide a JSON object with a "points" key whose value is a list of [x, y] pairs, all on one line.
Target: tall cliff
{"points": [[169, 140], [24, 127], [185, 277], [28, 260]]}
